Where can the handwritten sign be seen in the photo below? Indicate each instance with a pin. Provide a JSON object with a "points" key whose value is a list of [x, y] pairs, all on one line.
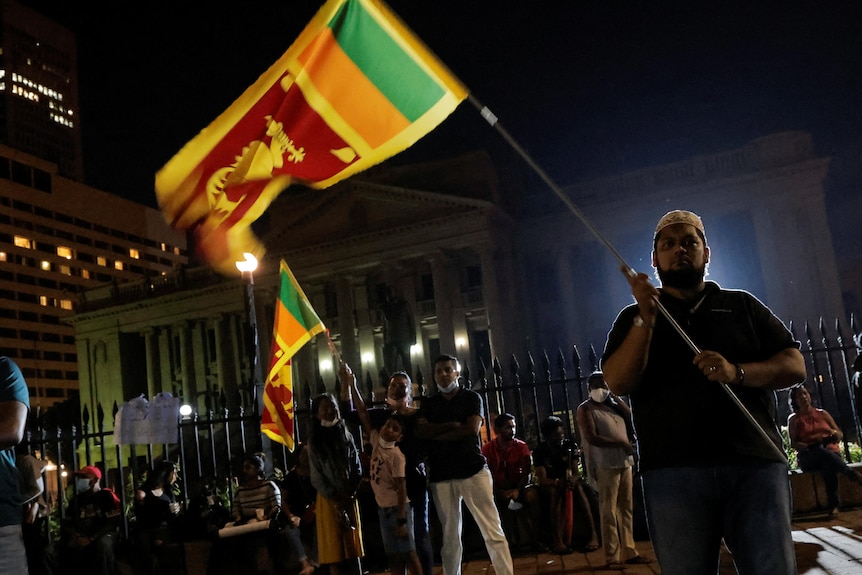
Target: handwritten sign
{"points": [[141, 422]]}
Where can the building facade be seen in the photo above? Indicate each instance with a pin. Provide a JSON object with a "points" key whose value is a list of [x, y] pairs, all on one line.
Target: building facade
{"points": [[39, 112], [766, 223], [476, 280], [59, 238]]}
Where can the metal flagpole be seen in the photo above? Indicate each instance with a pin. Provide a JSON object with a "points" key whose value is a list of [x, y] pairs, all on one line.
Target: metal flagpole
{"points": [[492, 120]]}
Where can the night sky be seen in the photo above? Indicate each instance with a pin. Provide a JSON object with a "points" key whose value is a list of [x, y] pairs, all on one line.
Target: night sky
{"points": [[588, 88]]}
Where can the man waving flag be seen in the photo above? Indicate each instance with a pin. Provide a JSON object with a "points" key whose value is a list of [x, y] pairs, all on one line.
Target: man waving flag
{"points": [[355, 88]]}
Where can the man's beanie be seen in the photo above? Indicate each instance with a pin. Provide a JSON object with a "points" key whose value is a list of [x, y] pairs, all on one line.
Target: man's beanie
{"points": [[679, 217]]}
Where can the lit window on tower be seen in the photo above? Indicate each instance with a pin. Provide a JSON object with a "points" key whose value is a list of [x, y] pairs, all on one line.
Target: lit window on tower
{"points": [[22, 242]]}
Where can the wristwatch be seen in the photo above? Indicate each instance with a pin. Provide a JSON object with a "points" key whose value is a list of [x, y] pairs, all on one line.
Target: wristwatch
{"points": [[740, 375]]}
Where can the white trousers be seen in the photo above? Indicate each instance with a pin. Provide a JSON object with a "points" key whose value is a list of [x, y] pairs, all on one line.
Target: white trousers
{"points": [[477, 493], [615, 510]]}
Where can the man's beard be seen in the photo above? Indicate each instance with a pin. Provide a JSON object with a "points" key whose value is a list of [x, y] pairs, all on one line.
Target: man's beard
{"points": [[688, 278]]}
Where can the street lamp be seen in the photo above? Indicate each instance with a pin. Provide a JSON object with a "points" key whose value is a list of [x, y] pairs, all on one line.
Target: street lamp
{"points": [[246, 268]]}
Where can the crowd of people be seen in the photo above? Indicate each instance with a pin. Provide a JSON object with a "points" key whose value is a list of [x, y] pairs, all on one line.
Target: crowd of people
{"points": [[708, 476]]}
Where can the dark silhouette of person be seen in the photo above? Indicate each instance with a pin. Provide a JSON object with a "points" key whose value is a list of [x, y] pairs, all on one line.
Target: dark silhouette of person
{"points": [[399, 332]]}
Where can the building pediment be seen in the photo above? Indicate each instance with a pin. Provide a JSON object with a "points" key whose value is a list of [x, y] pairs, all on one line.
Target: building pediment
{"points": [[356, 209]]}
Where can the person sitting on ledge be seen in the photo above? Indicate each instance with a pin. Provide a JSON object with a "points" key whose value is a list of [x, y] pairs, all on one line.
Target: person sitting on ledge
{"points": [[815, 437]]}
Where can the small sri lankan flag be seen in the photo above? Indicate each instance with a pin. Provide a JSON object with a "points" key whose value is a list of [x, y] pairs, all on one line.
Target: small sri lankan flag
{"points": [[295, 324], [355, 88]]}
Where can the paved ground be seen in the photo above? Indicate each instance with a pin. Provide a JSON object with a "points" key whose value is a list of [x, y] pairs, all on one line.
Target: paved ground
{"points": [[823, 547]]}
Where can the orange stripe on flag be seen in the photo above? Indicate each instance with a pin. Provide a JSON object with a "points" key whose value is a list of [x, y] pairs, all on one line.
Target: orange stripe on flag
{"points": [[363, 106]]}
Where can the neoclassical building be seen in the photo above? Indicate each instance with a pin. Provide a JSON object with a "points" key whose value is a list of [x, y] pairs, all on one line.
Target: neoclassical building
{"points": [[479, 275]]}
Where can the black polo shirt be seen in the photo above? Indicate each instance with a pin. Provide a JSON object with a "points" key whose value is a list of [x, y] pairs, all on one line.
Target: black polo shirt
{"points": [[683, 419]]}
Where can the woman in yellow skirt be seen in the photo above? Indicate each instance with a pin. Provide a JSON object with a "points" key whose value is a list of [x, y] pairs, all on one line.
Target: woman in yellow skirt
{"points": [[335, 473]]}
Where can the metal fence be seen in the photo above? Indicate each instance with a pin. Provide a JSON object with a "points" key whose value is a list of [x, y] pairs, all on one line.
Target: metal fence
{"points": [[211, 442]]}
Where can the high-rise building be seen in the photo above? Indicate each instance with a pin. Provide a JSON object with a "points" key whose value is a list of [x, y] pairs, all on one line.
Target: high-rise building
{"points": [[39, 89], [58, 238]]}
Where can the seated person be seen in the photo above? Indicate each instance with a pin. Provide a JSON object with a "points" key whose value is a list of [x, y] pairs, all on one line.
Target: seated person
{"points": [[561, 489], [90, 527], [815, 436], [156, 521], [510, 462], [259, 499]]}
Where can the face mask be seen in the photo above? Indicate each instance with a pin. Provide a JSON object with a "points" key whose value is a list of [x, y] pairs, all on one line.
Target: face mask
{"points": [[332, 423], [82, 484], [449, 388], [385, 444], [599, 395]]}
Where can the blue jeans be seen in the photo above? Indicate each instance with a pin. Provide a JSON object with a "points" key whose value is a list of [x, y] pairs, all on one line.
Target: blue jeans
{"points": [[829, 463], [691, 509], [422, 534]]}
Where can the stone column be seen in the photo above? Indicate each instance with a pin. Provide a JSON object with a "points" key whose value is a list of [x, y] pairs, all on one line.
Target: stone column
{"points": [[491, 299], [151, 352], [347, 321], [443, 302], [186, 369]]}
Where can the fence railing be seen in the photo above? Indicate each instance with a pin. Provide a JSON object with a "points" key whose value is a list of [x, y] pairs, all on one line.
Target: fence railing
{"points": [[210, 443]]}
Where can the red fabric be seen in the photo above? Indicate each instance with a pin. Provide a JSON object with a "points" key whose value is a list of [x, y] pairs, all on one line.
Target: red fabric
{"points": [[812, 427], [510, 467]]}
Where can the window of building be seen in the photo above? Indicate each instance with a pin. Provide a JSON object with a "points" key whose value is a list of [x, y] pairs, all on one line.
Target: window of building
{"points": [[65, 252], [65, 270], [23, 242], [85, 274], [474, 276], [2, 256], [66, 304], [118, 265], [101, 260], [45, 265], [133, 253], [41, 180], [22, 173], [28, 316], [44, 300]]}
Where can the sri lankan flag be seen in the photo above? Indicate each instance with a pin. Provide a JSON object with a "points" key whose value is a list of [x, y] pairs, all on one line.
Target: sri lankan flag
{"points": [[295, 323], [355, 88]]}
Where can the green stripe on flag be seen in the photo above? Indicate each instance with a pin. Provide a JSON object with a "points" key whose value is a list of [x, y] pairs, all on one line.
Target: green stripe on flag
{"points": [[384, 62], [291, 301]]}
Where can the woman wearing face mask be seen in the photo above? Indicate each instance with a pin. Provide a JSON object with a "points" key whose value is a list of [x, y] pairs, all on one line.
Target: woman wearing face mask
{"points": [[335, 473], [603, 424]]}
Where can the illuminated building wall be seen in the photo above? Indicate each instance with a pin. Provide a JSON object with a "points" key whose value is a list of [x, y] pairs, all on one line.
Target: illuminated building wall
{"points": [[57, 239]]}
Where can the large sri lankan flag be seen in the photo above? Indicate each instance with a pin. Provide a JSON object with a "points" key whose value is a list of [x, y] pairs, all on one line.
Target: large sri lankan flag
{"points": [[295, 323], [355, 88]]}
